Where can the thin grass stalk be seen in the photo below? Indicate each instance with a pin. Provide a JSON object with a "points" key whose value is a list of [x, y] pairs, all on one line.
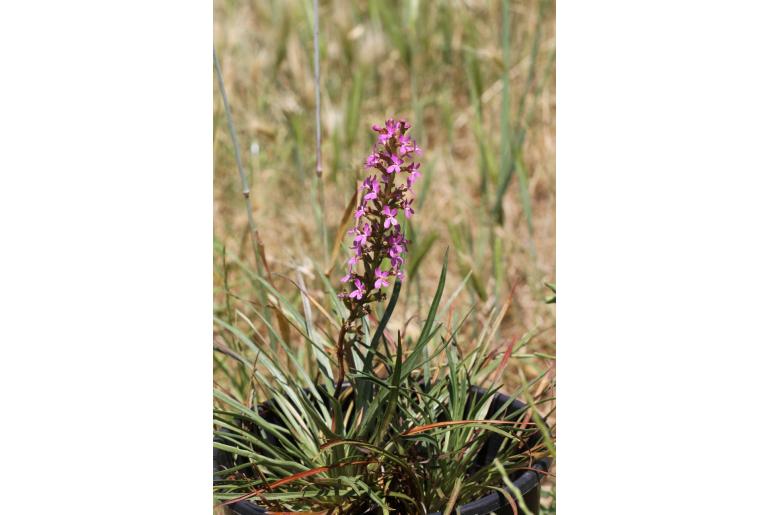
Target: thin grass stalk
{"points": [[317, 77], [256, 241], [318, 162], [505, 143]]}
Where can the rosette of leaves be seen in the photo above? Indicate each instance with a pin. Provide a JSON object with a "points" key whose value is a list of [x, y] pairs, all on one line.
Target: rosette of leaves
{"points": [[400, 437]]}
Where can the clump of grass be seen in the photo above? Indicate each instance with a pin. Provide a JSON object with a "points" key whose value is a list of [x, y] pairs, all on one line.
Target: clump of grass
{"points": [[406, 444]]}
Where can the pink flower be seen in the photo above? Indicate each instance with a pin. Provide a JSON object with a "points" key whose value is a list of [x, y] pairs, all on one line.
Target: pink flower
{"points": [[403, 144], [396, 248], [374, 189], [373, 160], [358, 293], [408, 211], [413, 175], [367, 184], [382, 277], [386, 133], [396, 166], [360, 240], [377, 234], [390, 216]]}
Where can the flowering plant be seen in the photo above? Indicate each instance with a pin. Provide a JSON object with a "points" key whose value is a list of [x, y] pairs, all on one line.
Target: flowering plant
{"points": [[377, 234]]}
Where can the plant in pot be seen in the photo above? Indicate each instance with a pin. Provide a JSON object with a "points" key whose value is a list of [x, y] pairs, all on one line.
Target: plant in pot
{"points": [[364, 421]]}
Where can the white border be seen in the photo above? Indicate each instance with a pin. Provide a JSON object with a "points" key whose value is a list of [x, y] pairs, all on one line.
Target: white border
{"points": [[662, 180], [105, 207]]}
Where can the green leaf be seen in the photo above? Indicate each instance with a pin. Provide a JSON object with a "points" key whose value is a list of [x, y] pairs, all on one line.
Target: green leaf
{"points": [[392, 403], [427, 329]]}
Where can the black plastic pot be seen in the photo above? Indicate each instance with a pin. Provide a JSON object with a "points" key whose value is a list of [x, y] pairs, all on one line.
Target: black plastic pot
{"points": [[528, 481]]}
